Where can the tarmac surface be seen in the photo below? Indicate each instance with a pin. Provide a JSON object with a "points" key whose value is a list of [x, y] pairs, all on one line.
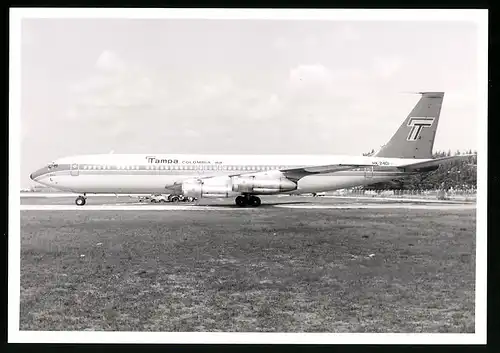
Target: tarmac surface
{"points": [[294, 264], [122, 203]]}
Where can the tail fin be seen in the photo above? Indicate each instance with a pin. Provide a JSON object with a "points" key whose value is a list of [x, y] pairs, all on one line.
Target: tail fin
{"points": [[415, 137]]}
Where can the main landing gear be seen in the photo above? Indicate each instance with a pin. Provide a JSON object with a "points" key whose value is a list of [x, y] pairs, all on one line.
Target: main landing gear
{"points": [[248, 200], [81, 200]]}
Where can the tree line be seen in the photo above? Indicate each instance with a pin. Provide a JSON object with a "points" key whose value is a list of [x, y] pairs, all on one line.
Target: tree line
{"points": [[459, 174]]}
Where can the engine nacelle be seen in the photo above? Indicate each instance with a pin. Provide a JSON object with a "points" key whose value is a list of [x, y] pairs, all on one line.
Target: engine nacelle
{"points": [[200, 190], [262, 186]]}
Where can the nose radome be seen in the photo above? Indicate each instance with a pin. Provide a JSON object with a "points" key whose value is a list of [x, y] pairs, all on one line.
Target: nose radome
{"points": [[31, 176]]}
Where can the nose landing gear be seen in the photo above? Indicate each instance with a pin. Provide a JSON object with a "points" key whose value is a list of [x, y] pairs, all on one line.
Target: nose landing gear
{"points": [[81, 200], [248, 200]]}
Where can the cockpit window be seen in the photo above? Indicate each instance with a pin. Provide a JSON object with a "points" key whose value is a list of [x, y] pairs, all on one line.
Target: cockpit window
{"points": [[52, 165]]}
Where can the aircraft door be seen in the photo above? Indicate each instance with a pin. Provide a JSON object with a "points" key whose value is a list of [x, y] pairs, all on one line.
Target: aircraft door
{"points": [[368, 172], [74, 170]]}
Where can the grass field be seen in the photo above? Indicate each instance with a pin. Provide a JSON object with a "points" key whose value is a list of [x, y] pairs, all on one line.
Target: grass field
{"points": [[270, 269]]}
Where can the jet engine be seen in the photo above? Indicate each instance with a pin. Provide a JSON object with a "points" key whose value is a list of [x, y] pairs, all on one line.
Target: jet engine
{"points": [[199, 190], [262, 186]]}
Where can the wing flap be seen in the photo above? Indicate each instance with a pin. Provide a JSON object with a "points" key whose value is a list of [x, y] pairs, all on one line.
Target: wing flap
{"points": [[297, 173], [435, 162]]}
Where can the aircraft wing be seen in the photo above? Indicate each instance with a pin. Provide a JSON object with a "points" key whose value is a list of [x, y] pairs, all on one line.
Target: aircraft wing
{"points": [[297, 173], [435, 162], [293, 174]]}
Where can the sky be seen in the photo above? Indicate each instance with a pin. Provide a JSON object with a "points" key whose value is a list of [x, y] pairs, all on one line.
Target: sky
{"points": [[238, 86]]}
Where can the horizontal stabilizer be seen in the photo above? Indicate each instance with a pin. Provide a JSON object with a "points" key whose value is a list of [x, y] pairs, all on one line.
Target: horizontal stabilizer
{"points": [[435, 162]]}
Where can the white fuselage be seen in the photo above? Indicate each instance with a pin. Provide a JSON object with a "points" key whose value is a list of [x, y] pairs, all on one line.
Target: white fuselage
{"points": [[150, 173]]}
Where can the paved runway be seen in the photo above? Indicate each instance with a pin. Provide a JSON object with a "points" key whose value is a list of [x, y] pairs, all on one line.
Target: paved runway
{"points": [[126, 203]]}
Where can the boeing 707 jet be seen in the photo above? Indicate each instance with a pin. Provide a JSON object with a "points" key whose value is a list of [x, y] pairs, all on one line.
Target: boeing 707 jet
{"points": [[246, 177]]}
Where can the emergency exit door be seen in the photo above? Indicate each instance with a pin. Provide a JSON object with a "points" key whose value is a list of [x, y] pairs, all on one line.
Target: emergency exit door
{"points": [[369, 172], [75, 170]]}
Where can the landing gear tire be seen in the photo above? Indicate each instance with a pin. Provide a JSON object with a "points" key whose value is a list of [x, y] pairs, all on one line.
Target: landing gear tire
{"points": [[254, 201], [174, 199], [241, 201], [80, 201]]}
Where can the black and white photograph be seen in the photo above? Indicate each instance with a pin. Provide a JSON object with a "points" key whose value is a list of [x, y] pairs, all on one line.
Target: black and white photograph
{"points": [[213, 176]]}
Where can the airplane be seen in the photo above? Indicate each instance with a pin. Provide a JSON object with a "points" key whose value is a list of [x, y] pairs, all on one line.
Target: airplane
{"points": [[246, 177]]}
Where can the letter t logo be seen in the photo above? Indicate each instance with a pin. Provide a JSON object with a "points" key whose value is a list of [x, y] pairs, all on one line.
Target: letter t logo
{"points": [[417, 124]]}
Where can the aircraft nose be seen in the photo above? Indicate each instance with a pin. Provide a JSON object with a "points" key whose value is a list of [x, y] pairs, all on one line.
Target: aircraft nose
{"points": [[38, 173]]}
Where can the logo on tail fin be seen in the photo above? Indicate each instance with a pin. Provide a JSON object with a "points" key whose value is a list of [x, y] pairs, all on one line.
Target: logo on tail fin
{"points": [[417, 124]]}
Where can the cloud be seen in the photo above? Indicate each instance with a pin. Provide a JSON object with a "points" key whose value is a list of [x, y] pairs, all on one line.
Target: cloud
{"points": [[126, 103], [129, 101], [386, 67], [109, 61], [267, 107], [113, 87], [309, 75], [191, 133], [315, 84], [347, 33], [280, 43]]}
